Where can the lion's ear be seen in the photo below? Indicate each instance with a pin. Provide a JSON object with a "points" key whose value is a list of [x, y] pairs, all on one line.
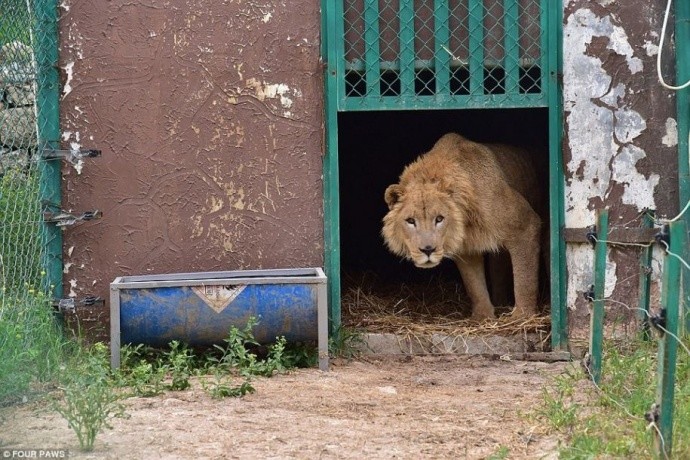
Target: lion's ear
{"points": [[393, 194]]}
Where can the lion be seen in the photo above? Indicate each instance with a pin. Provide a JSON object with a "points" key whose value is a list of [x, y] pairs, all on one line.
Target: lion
{"points": [[462, 200]]}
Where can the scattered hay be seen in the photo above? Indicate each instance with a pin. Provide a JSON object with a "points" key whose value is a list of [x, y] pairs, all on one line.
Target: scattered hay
{"points": [[436, 307]]}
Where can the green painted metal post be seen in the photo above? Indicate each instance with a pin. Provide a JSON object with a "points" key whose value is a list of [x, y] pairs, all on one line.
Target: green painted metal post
{"points": [[372, 53], [407, 73], [441, 37], [596, 324], [553, 61], [511, 46], [682, 40], [668, 344], [331, 30], [645, 279], [476, 30], [45, 37]]}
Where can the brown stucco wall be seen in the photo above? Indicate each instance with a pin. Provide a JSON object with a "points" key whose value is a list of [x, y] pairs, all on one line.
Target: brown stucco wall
{"points": [[620, 143], [209, 117]]}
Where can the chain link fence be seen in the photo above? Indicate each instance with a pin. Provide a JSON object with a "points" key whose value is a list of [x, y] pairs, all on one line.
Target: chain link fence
{"points": [[30, 250]]}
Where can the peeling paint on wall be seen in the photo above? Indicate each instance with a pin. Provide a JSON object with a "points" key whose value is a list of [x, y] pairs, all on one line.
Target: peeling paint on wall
{"points": [[601, 129], [607, 131]]}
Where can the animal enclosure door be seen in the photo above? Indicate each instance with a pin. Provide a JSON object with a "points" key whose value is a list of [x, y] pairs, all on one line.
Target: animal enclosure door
{"points": [[434, 54], [443, 54]]}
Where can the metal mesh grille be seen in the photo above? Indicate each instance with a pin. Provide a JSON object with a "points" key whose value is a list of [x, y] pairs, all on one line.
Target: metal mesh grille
{"points": [[432, 54], [23, 124]]}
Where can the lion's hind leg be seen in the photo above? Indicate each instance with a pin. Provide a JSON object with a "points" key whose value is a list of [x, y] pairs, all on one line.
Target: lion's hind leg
{"points": [[524, 254]]}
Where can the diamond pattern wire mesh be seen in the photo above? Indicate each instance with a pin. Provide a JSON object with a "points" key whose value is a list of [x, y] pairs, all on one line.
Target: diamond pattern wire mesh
{"points": [[407, 49], [21, 237]]}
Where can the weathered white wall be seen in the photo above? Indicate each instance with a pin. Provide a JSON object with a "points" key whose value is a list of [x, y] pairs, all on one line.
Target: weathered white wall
{"points": [[615, 127]]}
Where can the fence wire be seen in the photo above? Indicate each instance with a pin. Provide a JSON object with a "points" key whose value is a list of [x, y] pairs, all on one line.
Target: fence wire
{"points": [[22, 239], [657, 320]]}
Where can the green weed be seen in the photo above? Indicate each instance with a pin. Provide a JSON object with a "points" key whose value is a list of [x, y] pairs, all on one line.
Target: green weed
{"points": [[32, 346], [88, 400], [608, 421], [346, 343], [139, 373], [178, 362], [501, 454]]}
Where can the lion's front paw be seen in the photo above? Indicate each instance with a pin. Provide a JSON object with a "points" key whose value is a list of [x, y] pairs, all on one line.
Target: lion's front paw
{"points": [[522, 312], [482, 314]]}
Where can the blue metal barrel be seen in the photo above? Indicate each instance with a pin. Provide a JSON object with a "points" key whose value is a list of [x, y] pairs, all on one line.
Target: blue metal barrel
{"points": [[156, 316]]}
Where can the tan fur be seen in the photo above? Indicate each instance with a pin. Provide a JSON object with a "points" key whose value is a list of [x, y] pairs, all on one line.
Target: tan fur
{"points": [[461, 200]]}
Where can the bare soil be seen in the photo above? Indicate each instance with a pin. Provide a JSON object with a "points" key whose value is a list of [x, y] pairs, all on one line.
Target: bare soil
{"points": [[449, 406]]}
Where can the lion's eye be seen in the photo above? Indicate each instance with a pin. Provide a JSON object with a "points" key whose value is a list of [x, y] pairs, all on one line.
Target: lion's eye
{"points": [[410, 220], [439, 219]]}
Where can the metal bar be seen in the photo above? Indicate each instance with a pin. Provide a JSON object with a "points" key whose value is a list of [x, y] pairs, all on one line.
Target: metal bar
{"points": [[115, 325], [682, 38], [553, 57], [444, 102], [322, 319], [476, 31], [645, 279], [550, 11], [668, 344], [511, 46], [428, 64], [314, 273], [596, 325], [441, 38], [372, 56], [334, 86], [641, 235], [407, 54], [214, 282], [48, 124]]}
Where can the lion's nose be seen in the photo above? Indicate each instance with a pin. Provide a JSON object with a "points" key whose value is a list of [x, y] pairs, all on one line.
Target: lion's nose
{"points": [[428, 250]]}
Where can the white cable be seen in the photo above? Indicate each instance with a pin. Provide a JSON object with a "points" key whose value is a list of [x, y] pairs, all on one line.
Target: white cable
{"points": [[658, 56]]}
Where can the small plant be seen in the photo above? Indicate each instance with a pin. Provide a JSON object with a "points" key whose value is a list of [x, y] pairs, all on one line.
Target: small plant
{"points": [[237, 353], [346, 343], [179, 363], [222, 386], [139, 372], [88, 400], [501, 454]]}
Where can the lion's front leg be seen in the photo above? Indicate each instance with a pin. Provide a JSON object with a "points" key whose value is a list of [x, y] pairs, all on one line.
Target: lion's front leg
{"points": [[472, 271], [524, 255]]}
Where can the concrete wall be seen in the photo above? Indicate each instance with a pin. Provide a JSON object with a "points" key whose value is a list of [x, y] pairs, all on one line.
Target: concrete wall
{"points": [[209, 116]]}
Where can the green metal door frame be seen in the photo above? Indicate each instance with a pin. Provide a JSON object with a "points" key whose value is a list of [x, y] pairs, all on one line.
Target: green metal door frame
{"points": [[335, 101], [682, 34]]}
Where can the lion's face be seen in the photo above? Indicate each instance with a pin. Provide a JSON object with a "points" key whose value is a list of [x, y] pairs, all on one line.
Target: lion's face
{"points": [[422, 223]]}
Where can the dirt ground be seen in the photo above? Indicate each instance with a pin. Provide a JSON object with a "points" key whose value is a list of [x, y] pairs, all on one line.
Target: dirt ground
{"points": [[450, 406]]}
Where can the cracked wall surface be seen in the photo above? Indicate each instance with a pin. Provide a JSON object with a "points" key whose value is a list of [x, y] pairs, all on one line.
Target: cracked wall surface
{"points": [[620, 142], [208, 115]]}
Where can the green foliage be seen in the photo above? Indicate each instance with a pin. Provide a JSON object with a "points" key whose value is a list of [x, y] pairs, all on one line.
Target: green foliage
{"points": [[237, 353], [502, 453], [32, 346], [20, 241], [346, 343], [139, 372], [178, 362], [88, 400], [15, 21], [611, 423]]}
